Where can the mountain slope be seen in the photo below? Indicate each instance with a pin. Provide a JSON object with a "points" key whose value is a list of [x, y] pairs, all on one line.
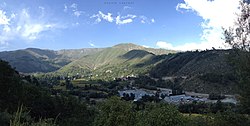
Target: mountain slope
{"points": [[131, 46], [32, 60], [206, 71], [117, 58], [191, 63]]}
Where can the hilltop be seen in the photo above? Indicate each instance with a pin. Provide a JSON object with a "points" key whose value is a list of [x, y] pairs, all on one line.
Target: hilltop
{"points": [[119, 60]]}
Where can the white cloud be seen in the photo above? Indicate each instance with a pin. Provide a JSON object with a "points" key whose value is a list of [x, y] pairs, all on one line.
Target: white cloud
{"points": [[65, 8], [145, 20], [127, 7], [74, 6], [75, 24], [28, 28], [146, 46], [4, 24], [107, 17], [98, 18], [33, 31], [183, 47], [153, 20], [163, 44], [91, 44], [23, 26], [215, 14], [73, 9], [119, 19], [182, 6], [12, 16], [101, 16], [4, 20], [129, 16], [6, 28], [77, 13]]}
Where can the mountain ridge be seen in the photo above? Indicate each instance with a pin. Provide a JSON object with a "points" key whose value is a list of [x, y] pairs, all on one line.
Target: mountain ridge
{"points": [[31, 60], [201, 71]]}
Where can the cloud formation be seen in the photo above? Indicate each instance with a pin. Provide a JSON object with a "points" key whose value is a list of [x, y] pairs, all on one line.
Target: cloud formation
{"points": [[3, 18], [23, 26], [184, 47], [215, 14], [120, 19], [101, 16], [144, 20], [92, 44], [73, 9]]}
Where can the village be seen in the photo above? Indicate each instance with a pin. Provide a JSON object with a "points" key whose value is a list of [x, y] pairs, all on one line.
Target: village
{"points": [[166, 95]]}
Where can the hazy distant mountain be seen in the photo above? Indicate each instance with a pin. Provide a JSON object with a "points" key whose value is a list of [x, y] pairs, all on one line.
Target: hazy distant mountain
{"points": [[38, 60]]}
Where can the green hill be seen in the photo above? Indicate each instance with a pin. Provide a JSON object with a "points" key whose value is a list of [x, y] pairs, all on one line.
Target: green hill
{"points": [[206, 71], [116, 61], [32, 60]]}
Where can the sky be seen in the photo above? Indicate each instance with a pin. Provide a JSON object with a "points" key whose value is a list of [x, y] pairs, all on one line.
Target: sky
{"points": [[74, 24]]}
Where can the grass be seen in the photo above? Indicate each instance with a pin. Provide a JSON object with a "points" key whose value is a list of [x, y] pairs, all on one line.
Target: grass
{"points": [[18, 120]]}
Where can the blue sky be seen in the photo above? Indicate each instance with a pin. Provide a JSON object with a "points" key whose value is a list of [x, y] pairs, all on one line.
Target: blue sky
{"points": [[73, 24]]}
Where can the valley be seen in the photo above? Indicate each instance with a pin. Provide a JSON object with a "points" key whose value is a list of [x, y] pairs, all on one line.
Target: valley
{"points": [[99, 73], [194, 81], [197, 71], [125, 63]]}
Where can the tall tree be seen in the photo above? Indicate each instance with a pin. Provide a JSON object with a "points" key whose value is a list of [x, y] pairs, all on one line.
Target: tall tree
{"points": [[239, 38]]}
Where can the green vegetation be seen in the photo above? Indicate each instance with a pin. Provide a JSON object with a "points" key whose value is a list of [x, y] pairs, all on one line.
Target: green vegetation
{"points": [[238, 38], [80, 87], [204, 72], [38, 101], [117, 112], [24, 101], [33, 60], [113, 62]]}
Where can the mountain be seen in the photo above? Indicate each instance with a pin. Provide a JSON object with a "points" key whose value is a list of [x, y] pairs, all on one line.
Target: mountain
{"points": [[131, 46], [202, 71], [205, 71], [119, 60], [32, 60]]}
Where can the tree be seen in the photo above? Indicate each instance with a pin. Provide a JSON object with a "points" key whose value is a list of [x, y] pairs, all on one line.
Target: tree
{"points": [[239, 35], [69, 85], [115, 112], [160, 115], [239, 38]]}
